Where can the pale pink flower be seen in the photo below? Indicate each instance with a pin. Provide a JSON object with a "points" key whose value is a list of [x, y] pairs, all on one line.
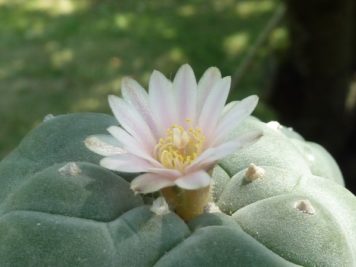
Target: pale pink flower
{"points": [[175, 133]]}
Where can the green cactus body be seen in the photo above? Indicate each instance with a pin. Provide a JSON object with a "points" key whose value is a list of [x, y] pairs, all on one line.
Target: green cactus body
{"points": [[58, 207]]}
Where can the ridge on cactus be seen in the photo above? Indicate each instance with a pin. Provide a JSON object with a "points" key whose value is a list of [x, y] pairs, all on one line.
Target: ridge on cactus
{"points": [[176, 132], [59, 208]]}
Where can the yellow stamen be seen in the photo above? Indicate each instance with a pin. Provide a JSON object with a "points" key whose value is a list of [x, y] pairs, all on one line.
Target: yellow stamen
{"points": [[180, 147]]}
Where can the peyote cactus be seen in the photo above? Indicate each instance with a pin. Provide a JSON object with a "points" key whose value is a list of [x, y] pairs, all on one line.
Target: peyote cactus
{"points": [[282, 203]]}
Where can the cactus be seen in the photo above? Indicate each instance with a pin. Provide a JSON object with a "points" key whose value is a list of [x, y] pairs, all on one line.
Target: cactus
{"points": [[282, 203]]}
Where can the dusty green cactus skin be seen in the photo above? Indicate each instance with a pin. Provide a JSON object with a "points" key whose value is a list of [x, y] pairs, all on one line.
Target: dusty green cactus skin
{"points": [[59, 208], [320, 233]]}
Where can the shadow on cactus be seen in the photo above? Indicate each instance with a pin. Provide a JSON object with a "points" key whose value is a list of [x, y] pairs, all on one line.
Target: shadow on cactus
{"points": [[240, 192]]}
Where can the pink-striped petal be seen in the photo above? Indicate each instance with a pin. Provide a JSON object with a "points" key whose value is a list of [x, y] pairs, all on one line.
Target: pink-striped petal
{"points": [[213, 154], [131, 121], [161, 100], [125, 163], [132, 145], [165, 172], [149, 182], [185, 87], [213, 106], [230, 120], [135, 95], [195, 180], [207, 82], [104, 145]]}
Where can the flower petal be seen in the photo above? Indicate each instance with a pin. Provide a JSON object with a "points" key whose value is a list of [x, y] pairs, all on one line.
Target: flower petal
{"points": [[125, 163], [149, 182], [132, 145], [104, 145], [135, 95], [229, 106], [192, 181], [213, 106], [240, 111], [207, 82], [213, 154], [131, 121], [161, 101], [172, 173], [185, 87]]}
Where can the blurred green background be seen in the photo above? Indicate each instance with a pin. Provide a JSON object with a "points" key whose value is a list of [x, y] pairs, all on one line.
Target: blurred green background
{"points": [[62, 56]]}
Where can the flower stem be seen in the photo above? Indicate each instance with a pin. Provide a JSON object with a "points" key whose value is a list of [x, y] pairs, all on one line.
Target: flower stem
{"points": [[186, 203]]}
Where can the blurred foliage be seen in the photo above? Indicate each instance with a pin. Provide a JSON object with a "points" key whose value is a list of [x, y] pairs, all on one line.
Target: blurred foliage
{"points": [[62, 56]]}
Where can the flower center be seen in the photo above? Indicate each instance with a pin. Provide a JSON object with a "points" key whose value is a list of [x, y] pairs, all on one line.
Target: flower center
{"points": [[180, 147]]}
